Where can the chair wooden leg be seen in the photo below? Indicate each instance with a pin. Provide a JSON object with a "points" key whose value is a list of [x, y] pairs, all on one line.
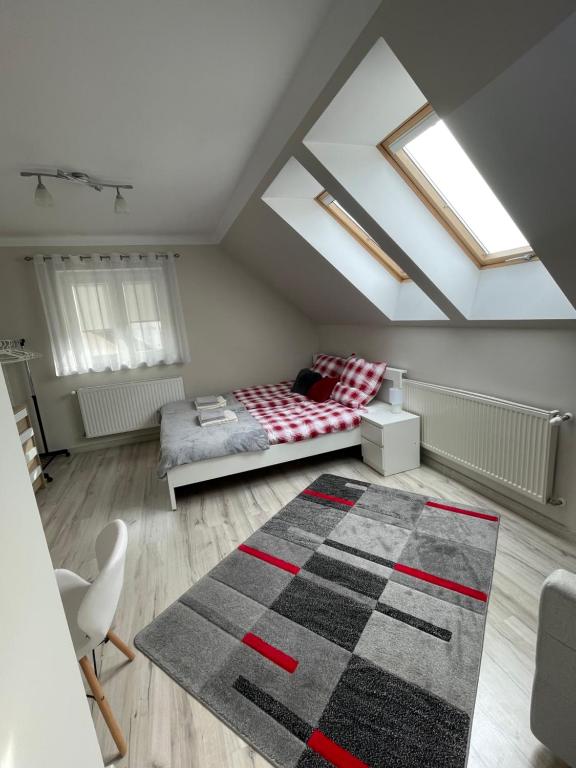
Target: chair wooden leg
{"points": [[103, 705], [121, 645]]}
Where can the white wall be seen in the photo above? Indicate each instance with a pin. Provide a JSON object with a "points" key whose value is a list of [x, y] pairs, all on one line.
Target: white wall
{"points": [[377, 97], [532, 366], [341, 250], [240, 331], [519, 290], [292, 196], [45, 720], [268, 245]]}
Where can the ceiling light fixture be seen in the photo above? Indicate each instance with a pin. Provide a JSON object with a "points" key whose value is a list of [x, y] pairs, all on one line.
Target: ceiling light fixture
{"points": [[44, 199], [120, 204]]}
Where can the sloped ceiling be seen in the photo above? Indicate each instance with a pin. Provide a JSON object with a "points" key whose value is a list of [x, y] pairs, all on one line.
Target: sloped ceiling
{"points": [[513, 111], [489, 102], [268, 246], [469, 44]]}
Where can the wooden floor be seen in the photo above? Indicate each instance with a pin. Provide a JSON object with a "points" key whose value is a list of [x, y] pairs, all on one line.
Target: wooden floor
{"points": [[168, 551]]}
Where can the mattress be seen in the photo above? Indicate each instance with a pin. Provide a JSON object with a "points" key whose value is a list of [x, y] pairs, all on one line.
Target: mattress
{"points": [[288, 417], [183, 440]]}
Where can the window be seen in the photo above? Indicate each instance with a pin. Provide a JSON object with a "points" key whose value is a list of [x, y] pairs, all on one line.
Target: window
{"points": [[141, 302], [93, 312], [111, 312], [428, 156], [334, 208]]}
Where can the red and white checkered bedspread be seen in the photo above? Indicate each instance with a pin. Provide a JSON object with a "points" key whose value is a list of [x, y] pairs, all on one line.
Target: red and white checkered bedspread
{"points": [[288, 417]]}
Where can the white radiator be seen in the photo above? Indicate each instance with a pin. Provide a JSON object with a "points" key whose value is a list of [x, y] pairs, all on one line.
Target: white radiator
{"points": [[114, 408], [507, 443]]}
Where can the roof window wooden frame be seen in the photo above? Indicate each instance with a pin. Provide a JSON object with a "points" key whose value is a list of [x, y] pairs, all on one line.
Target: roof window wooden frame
{"points": [[438, 205], [328, 203]]}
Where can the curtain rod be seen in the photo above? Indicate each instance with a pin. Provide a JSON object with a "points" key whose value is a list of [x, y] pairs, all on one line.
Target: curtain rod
{"points": [[105, 256]]}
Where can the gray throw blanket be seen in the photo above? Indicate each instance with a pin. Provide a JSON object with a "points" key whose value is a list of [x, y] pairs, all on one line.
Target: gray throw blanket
{"points": [[183, 440]]}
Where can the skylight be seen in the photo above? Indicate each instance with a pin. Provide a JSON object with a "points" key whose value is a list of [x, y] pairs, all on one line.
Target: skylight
{"points": [[429, 156], [338, 212]]}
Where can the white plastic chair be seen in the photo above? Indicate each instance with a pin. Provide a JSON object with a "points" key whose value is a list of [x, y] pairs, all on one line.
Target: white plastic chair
{"points": [[90, 609]]}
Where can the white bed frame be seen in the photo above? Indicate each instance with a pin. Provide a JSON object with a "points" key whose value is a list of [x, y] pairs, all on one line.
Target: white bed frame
{"points": [[208, 469]]}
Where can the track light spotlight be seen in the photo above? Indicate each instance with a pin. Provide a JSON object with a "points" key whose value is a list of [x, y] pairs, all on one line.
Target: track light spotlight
{"points": [[120, 204], [42, 197]]}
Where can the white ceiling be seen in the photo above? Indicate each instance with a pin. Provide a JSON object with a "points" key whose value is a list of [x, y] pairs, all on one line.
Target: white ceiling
{"points": [[170, 96]]}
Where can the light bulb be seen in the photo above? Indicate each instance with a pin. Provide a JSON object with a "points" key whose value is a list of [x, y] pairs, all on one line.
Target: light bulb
{"points": [[42, 197], [120, 204]]}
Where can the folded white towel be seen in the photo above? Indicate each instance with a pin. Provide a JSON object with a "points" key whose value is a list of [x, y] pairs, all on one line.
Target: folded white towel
{"points": [[208, 399], [223, 417], [201, 405]]}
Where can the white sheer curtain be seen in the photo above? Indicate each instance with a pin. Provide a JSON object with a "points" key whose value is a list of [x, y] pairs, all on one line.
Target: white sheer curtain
{"points": [[112, 311]]}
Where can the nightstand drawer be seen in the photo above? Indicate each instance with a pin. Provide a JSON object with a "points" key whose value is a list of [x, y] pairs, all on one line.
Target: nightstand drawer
{"points": [[373, 455], [372, 432]]}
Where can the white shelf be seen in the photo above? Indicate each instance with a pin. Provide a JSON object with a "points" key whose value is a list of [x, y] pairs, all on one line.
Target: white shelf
{"points": [[30, 450], [21, 414], [26, 435]]}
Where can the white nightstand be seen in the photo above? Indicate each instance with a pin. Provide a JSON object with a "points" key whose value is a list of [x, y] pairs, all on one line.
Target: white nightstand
{"points": [[390, 441]]}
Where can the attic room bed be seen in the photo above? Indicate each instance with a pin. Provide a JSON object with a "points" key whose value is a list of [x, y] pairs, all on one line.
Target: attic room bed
{"points": [[295, 427]]}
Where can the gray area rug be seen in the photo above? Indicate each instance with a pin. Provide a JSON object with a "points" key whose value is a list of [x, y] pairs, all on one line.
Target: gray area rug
{"points": [[346, 632]]}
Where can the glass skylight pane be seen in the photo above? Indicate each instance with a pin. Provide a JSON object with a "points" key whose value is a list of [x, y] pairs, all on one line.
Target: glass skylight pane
{"points": [[341, 208], [382, 254], [443, 161]]}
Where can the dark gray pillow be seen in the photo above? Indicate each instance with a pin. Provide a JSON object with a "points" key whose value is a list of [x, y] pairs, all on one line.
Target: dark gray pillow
{"points": [[304, 381]]}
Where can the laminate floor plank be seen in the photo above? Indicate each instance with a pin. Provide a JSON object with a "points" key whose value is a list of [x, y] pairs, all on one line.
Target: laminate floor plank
{"points": [[168, 551]]}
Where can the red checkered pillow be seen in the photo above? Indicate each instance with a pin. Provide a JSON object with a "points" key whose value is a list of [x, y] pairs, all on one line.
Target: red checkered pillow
{"points": [[328, 365], [359, 382]]}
